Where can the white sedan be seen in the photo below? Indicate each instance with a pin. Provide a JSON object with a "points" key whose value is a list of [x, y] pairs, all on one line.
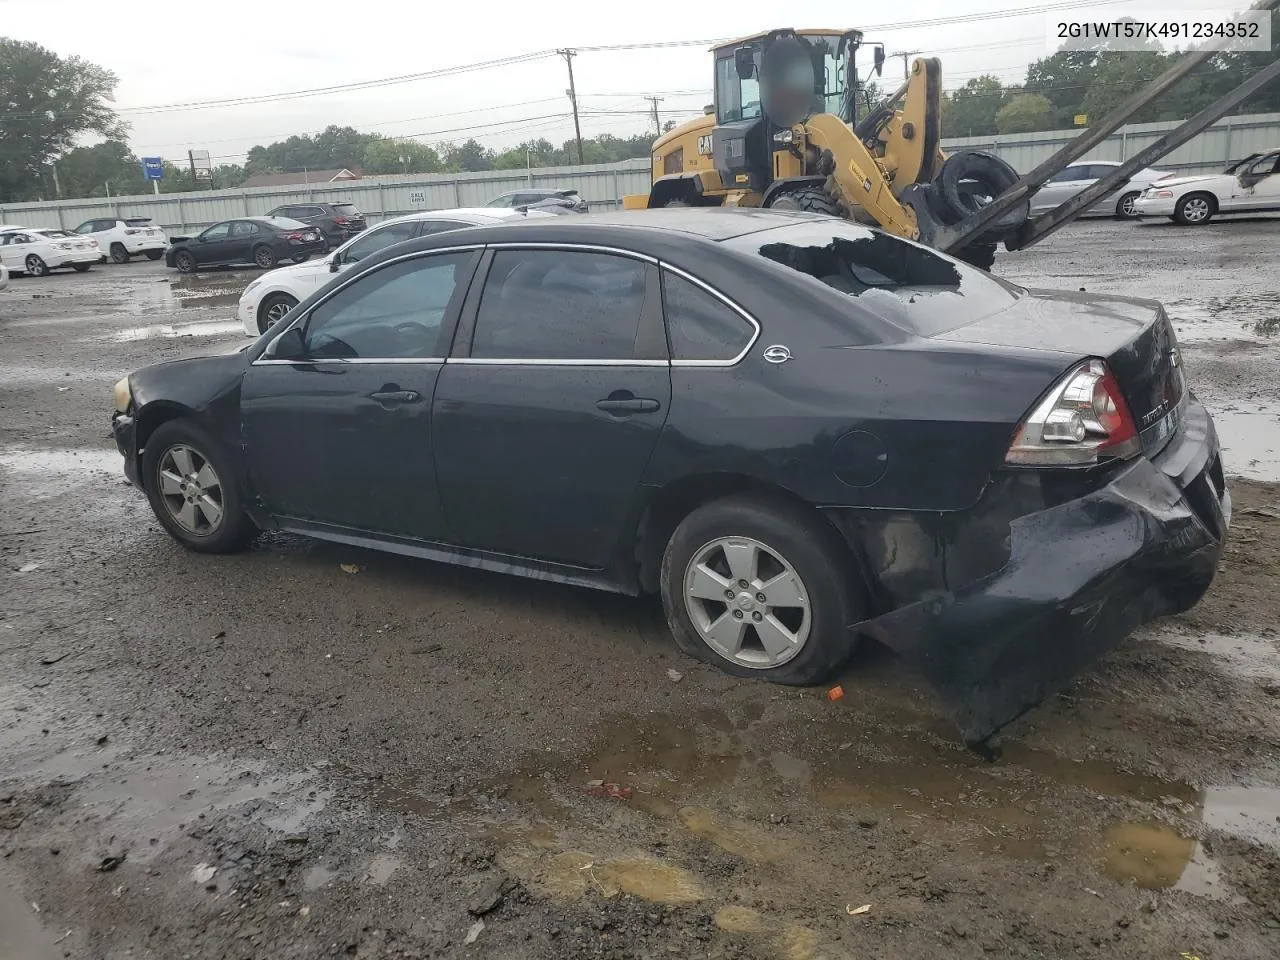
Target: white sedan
{"points": [[35, 251], [267, 299], [1069, 181], [1250, 185]]}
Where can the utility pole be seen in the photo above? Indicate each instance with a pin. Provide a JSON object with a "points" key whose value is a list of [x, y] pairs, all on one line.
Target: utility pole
{"points": [[906, 67], [657, 124], [573, 98]]}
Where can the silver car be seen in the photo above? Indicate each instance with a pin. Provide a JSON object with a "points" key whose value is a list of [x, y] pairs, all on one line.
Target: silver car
{"points": [[1069, 181]]}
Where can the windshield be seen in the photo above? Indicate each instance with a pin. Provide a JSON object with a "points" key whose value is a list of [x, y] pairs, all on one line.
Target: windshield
{"points": [[55, 234], [738, 99], [346, 210], [909, 285]]}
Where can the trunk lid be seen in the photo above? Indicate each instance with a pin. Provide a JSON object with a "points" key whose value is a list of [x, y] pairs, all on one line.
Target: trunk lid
{"points": [[1134, 337]]}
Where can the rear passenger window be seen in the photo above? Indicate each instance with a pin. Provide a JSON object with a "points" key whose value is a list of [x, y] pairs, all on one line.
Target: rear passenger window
{"points": [[700, 325], [559, 305]]}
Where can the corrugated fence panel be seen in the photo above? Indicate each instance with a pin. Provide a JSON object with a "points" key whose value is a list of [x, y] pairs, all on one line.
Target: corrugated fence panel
{"points": [[603, 185]]}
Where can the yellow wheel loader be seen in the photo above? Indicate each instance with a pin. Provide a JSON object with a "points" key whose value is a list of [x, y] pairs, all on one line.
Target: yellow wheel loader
{"points": [[785, 132]]}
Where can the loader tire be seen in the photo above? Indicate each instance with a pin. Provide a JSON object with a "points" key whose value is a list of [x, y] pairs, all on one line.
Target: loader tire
{"points": [[969, 176], [808, 199]]}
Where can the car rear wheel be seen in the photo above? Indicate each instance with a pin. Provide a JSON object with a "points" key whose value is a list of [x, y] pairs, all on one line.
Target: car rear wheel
{"points": [[35, 267], [761, 589], [184, 261], [1195, 209], [119, 254], [1126, 206], [81, 267], [192, 489], [154, 254], [265, 257], [273, 309]]}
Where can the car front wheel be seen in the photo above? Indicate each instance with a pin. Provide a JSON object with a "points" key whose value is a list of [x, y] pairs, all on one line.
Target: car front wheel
{"points": [[273, 310], [1126, 206], [193, 490], [1194, 209], [761, 589]]}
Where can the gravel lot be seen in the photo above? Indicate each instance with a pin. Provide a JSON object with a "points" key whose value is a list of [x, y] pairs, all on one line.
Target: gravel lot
{"points": [[265, 756]]}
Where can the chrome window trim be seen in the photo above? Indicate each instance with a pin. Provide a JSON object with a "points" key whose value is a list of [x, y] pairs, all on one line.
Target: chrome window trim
{"points": [[570, 245], [345, 360], [263, 360], [503, 362], [740, 310]]}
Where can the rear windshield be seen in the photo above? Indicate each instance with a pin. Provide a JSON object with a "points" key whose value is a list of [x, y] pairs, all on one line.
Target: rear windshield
{"points": [[138, 222], [909, 285], [55, 233], [346, 209]]}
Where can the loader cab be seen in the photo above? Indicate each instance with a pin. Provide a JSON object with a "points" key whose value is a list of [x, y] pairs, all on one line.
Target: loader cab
{"points": [[763, 86]]}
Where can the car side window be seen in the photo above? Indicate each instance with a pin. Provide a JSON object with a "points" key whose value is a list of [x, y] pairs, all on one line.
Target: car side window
{"points": [[217, 232], [1069, 173], [440, 226], [243, 228], [701, 326], [86, 227], [559, 305], [392, 313], [375, 240]]}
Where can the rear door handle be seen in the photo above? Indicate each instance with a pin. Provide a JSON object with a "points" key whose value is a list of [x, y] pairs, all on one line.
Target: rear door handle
{"points": [[396, 396], [630, 405]]}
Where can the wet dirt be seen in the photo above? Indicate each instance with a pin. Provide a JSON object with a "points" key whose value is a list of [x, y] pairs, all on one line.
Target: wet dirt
{"points": [[294, 761]]}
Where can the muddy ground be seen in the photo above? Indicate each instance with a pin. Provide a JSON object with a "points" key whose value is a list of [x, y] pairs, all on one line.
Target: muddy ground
{"points": [[265, 756]]}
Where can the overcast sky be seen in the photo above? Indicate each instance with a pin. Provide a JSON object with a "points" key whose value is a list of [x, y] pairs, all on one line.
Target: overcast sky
{"points": [[182, 53]]}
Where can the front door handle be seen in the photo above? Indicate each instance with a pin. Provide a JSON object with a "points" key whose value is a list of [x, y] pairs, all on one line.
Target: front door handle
{"points": [[396, 396], [629, 405]]}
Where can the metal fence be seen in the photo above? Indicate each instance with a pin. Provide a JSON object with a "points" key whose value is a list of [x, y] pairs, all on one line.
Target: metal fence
{"points": [[601, 185]]}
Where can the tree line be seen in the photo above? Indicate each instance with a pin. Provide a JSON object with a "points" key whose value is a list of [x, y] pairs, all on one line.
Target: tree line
{"points": [[51, 103]]}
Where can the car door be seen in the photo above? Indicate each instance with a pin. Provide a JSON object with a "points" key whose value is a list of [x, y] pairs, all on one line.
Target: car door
{"points": [[241, 239], [548, 410], [13, 250], [211, 245], [340, 434], [1260, 184], [1063, 185]]}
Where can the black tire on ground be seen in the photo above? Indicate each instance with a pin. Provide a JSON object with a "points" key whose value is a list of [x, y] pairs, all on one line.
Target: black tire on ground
{"points": [[980, 255], [1124, 206], [235, 530], [266, 307], [119, 254], [35, 267], [154, 254], [809, 199], [81, 267], [815, 551], [265, 257], [185, 261], [1195, 209]]}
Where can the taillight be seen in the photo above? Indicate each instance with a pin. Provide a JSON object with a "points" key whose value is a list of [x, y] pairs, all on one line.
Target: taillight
{"points": [[1082, 421], [293, 236], [131, 232], [341, 221]]}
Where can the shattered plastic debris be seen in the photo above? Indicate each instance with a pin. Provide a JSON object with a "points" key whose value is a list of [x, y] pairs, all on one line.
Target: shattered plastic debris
{"points": [[473, 934], [835, 693], [202, 873], [349, 567], [675, 676], [29, 567], [613, 791], [853, 911]]}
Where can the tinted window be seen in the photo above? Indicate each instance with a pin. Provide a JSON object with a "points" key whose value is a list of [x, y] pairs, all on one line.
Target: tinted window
{"points": [[909, 285], [502, 201], [1069, 173], [243, 228], [87, 227], [346, 210], [559, 305], [440, 226], [701, 326], [217, 232], [138, 222], [395, 312], [375, 240]]}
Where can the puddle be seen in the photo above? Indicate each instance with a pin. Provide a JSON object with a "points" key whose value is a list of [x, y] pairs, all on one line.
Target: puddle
{"points": [[1250, 441], [196, 328], [317, 877], [381, 868], [1248, 656], [49, 472]]}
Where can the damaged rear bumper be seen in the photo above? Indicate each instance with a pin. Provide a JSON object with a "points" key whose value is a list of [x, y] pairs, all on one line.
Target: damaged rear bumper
{"points": [[1080, 576]]}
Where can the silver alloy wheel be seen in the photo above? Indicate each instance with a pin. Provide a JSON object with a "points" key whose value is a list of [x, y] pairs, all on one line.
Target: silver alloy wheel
{"points": [[1196, 209], [747, 602], [277, 310], [1128, 204], [191, 490], [35, 266]]}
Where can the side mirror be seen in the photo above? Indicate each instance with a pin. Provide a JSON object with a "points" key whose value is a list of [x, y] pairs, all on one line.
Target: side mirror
{"points": [[744, 60], [290, 345], [333, 264], [879, 62]]}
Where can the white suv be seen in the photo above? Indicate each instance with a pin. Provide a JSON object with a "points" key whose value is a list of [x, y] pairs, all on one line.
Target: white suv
{"points": [[267, 299], [122, 239]]}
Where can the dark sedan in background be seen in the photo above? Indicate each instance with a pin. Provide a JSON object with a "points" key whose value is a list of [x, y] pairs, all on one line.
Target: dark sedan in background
{"points": [[799, 431], [263, 241]]}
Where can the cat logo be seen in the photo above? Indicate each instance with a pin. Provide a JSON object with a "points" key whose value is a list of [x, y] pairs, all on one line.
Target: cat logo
{"points": [[704, 145]]}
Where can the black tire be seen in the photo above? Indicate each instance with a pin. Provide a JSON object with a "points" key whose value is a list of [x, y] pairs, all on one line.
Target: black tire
{"points": [[154, 254], [119, 254], [1195, 209], [268, 303], [808, 199], [980, 255], [1125, 209], [265, 257], [185, 261], [813, 549], [967, 177], [235, 529], [81, 267], [35, 267]]}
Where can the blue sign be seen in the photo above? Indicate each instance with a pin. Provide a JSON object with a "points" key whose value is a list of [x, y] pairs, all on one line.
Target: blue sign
{"points": [[153, 168]]}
